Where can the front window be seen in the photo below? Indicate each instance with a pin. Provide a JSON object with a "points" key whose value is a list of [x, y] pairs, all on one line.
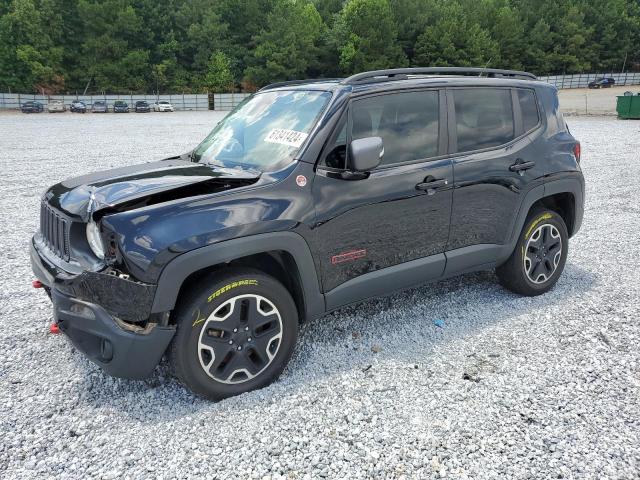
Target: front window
{"points": [[263, 132]]}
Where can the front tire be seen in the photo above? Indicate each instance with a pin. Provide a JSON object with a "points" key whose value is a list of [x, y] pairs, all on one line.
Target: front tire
{"points": [[539, 257], [235, 334]]}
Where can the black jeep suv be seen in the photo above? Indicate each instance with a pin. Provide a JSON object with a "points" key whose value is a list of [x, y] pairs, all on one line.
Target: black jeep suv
{"points": [[309, 196]]}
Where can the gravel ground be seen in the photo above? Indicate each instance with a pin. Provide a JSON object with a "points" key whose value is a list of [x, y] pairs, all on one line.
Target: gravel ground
{"points": [[459, 379]]}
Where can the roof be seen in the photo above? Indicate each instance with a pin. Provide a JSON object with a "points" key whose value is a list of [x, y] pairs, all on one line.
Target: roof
{"points": [[390, 79]]}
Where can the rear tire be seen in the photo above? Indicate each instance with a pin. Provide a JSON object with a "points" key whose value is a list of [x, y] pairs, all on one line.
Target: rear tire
{"points": [[235, 334], [539, 257]]}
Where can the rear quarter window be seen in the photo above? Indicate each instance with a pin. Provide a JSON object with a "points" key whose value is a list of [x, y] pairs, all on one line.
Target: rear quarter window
{"points": [[529, 109]]}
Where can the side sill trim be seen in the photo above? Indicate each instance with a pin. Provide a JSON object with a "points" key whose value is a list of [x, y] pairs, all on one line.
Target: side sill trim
{"points": [[378, 283], [462, 260]]}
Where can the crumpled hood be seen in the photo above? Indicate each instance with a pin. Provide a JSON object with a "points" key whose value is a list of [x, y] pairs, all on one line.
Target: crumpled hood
{"points": [[143, 184]]}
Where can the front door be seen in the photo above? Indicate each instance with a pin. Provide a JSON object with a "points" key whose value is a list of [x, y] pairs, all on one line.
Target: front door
{"points": [[396, 215]]}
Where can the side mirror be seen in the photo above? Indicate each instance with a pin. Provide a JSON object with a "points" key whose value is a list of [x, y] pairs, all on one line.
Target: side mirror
{"points": [[365, 154]]}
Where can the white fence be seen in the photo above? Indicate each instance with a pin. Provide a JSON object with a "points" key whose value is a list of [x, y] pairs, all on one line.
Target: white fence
{"points": [[227, 101], [216, 101], [180, 102], [581, 80]]}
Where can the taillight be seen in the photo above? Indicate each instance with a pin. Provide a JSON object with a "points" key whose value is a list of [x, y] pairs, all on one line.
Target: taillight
{"points": [[576, 151]]}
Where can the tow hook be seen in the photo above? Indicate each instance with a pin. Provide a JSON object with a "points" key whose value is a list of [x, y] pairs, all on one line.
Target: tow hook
{"points": [[37, 284], [54, 329]]}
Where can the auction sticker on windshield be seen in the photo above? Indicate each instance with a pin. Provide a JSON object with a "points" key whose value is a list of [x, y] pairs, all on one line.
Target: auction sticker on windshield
{"points": [[283, 136]]}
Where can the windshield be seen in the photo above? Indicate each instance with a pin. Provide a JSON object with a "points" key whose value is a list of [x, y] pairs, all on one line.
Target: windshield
{"points": [[264, 131]]}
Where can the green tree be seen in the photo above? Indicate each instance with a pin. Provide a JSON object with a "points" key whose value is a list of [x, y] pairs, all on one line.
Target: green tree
{"points": [[504, 25], [508, 32], [366, 37], [412, 18], [289, 45], [203, 32], [219, 77], [615, 33], [558, 40], [328, 10], [29, 60], [112, 57], [244, 21], [455, 40], [141, 45]]}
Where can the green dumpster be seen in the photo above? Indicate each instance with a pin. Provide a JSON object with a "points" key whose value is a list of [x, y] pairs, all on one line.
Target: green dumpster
{"points": [[628, 106]]}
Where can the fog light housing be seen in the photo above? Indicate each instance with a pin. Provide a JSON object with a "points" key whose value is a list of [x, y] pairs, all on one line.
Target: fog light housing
{"points": [[106, 350]]}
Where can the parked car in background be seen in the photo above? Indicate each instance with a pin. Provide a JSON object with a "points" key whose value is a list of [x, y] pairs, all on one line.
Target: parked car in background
{"points": [[142, 107], [603, 82], [99, 107], [163, 106], [56, 106], [31, 107], [120, 106], [78, 106]]}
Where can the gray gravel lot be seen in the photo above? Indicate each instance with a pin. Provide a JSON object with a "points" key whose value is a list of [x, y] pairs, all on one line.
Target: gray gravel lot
{"points": [[545, 387]]}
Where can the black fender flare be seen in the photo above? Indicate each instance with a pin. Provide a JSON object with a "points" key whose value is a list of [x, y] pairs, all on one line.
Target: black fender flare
{"points": [[572, 183], [569, 183], [177, 270]]}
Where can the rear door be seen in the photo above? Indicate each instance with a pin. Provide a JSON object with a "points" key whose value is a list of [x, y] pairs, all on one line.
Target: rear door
{"points": [[494, 162], [400, 211]]}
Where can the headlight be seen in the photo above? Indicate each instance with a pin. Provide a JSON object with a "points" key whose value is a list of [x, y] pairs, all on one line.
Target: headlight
{"points": [[94, 239]]}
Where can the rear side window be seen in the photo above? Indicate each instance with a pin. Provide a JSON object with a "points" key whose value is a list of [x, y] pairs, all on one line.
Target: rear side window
{"points": [[529, 109], [484, 118], [408, 124]]}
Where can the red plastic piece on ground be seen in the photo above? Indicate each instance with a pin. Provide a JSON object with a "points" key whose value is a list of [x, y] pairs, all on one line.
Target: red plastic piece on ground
{"points": [[36, 284], [54, 329]]}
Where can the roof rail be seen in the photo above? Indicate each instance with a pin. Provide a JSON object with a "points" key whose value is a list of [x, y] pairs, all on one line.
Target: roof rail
{"points": [[297, 82], [404, 73]]}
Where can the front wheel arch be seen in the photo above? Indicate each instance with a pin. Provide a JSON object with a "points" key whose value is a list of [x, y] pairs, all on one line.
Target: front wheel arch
{"points": [[277, 264], [293, 250]]}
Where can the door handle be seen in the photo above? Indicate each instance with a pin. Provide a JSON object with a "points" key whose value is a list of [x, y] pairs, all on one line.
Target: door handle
{"points": [[432, 184], [520, 166]]}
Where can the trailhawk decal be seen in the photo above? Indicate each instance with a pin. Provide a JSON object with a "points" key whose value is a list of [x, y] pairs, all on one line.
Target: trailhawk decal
{"points": [[217, 293], [226, 288], [348, 256], [283, 136], [544, 216]]}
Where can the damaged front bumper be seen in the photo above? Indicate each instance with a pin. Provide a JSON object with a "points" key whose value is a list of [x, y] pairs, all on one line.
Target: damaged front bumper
{"points": [[95, 311]]}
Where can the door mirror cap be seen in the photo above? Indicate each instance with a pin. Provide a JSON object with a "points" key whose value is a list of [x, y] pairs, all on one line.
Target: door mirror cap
{"points": [[365, 154]]}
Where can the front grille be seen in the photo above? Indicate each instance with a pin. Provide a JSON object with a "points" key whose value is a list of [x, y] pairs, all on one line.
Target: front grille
{"points": [[55, 231]]}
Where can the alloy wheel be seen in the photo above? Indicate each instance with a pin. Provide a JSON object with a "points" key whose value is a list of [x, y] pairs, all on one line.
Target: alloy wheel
{"points": [[240, 339], [543, 253]]}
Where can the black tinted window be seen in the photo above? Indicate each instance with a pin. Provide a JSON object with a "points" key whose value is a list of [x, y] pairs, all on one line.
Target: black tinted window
{"points": [[406, 122], [484, 118], [529, 109]]}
